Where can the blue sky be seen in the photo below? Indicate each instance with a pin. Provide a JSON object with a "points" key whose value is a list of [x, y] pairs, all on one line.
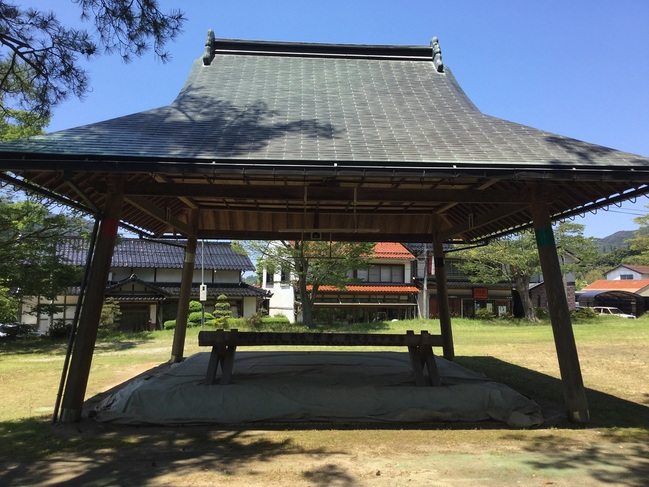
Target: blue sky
{"points": [[577, 68]]}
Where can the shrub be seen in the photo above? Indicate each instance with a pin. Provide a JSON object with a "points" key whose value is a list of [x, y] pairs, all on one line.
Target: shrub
{"points": [[238, 322], [195, 306], [8, 305], [194, 319], [255, 322], [59, 329], [542, 313], [275, 320], [222, 311], [583, 314], [169, 325], [485, 314], [110, 314], [259, 321]]}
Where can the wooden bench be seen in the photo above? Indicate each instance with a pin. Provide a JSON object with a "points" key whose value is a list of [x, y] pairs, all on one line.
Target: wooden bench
{"points": [[224, 344]]}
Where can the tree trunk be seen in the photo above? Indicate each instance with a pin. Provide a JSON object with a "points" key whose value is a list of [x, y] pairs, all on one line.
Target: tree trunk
{"points": [[307, 312], [307, 302], [523, 286]]}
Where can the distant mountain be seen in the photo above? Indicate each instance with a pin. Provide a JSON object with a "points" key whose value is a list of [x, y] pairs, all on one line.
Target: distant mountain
{"points": [[614, 241]]}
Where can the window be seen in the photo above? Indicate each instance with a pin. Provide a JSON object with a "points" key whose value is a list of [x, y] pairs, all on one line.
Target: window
{"points": [[270, 275], [626, 277], [385, 273], [285, 274], [380, 273]]}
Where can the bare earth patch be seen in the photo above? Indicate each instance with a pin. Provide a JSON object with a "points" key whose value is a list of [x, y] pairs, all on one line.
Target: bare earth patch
{"points": [[315, 457]]}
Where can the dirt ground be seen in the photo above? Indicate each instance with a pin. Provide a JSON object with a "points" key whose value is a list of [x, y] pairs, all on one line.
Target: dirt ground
{"points": [[197, 456]]}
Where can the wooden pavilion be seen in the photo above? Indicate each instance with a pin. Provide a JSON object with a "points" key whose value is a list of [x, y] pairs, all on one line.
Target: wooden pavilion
{"points": [[307, 141]]}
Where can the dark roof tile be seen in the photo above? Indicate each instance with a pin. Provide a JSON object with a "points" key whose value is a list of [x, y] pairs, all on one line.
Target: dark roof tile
{"points": [[290, 107], [161, 254]]}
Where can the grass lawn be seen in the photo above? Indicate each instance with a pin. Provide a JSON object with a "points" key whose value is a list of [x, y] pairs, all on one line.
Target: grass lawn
{"points": [[614, 355]]}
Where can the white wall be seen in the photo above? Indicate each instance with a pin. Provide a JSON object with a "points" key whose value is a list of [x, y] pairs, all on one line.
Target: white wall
{"points": [[616, 274], [283, 299], [249, 307]]}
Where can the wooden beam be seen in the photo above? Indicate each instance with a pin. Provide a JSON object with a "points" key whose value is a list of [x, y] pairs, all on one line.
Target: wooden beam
{"points": [[479, 221], [564, 339], [178, 346], [442, 298], [316, 193], [159, 214], [84, 344]]}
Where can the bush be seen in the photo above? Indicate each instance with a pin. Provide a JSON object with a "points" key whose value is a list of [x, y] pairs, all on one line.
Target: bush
{"points": [[169, 325], [255, 322], [194, 319], [583, 314], [275, 320], [259, 321], [238, 322], [222, 311], [542, 313], [485, 314], [110, 314], [195, 306], [59, 329]]}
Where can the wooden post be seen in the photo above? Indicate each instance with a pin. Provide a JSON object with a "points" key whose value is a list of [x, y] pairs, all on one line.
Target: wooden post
{"points": [[564, 339], [84, 345], [178, 347], [442, 299]]}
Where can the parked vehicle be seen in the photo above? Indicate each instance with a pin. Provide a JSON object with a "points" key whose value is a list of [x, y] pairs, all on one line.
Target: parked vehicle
{"points": [[12, 331], [610, 311]]}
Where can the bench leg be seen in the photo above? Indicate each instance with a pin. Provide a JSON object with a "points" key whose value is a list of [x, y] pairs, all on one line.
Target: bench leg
{"points": [[421, 357], [431, 366], [213, 365], [417, 370], [227, 364]]}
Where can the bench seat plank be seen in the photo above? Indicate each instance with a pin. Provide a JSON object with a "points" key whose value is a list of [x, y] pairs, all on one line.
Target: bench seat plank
{"points": [[254, 338], [224, 345]]}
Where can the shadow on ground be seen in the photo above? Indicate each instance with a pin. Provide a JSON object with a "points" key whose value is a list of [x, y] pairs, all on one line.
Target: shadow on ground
{"points": [[606, 411], [91, 454]]}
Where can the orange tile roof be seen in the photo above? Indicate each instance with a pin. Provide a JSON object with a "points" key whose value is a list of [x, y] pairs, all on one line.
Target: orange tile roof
{"points": [[370, 288], [391, 250], [630, 285]]}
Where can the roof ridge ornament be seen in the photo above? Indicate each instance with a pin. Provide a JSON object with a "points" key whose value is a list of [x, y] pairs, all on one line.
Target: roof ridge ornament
{"points": [[208, 55], [437, 55]]}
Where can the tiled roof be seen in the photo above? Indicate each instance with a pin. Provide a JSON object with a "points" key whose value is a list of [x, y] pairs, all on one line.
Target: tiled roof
{"points": [[264, 101], [269, 138], [641, 269], [134, 279], [463, 283], [630, 285], [371, 288], [161, 254], [213, 290], [391, 250]]}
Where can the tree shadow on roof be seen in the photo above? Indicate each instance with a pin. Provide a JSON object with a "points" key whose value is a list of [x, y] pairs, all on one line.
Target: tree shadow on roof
{"points": [[191, 127], [591, 154]]}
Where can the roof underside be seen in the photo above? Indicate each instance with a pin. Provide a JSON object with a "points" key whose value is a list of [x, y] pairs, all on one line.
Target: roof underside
{"points": [[369, 143]]}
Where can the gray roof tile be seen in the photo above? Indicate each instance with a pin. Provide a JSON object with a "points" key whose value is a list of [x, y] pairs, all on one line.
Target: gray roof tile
{"points": [[160, 254], [301, 108]]}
